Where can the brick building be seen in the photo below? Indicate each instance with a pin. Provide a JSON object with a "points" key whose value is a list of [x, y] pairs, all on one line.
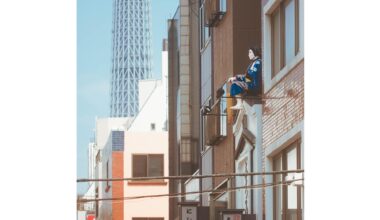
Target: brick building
{"points": [[283, 119], [208, 43], [267, 134], [228, 29]]}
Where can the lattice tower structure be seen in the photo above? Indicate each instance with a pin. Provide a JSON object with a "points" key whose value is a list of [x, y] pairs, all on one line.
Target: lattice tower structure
{"points": [[131, 54]]}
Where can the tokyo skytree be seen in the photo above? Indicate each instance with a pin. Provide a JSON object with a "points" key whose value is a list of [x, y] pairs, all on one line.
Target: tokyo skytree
{"points": [[131, 54]]}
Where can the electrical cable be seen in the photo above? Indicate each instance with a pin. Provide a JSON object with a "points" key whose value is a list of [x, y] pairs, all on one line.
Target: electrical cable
{"points": [[192, 177], [177, 195]]}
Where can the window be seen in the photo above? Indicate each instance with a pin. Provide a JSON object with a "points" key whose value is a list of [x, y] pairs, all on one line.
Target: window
{"points": [[285, 31], [204, 32], [148, 165], [223, 113], [287, 199], [223, 5], [203, 135]]}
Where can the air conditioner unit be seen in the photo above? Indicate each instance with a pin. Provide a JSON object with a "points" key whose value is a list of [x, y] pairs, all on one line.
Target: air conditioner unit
{"points": [[215, 129], [215, 10]]}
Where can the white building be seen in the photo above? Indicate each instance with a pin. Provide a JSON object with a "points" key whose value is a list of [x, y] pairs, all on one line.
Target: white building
{"points": [[90, 194], [146, 151], [146, 154], [153, 99], [134, 147], [248, 157], [103, 131]]}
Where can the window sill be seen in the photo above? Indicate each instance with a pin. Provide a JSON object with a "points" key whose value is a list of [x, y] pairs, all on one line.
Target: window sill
{"points": [[147, 183]]}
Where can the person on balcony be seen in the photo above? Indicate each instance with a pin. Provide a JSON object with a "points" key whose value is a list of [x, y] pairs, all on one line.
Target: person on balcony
{"points": [[248, 82]]}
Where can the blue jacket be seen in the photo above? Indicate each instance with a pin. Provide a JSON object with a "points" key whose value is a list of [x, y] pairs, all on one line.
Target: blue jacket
{"points": [[253, 76]]}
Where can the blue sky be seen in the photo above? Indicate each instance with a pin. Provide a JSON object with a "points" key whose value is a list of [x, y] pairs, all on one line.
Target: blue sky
{"points": [[94, 22]]}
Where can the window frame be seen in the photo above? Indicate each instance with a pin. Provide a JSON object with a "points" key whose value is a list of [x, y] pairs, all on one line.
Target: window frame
{"points": [[204, 37], [147, 167], [203, 135], [284, 188], [268, 81], [223, 120], [281, 10], [221, 4]]}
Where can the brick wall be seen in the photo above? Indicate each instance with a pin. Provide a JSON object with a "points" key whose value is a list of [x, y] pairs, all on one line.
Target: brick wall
{"points": [[117, 186], [281, 115]]}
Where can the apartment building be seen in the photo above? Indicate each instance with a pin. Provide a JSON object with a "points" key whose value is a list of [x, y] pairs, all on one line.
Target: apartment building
{"points": [[283, 119], [184, 96], [219, 34], [266, 135]]}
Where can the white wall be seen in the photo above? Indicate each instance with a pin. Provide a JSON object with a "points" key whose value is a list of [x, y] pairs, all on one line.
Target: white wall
{"points": [[164, 79], [153, 112], [91, 160], [243, 165], [104, 126], [145, 143], [146, 87], [90, 194], [254, 125]]}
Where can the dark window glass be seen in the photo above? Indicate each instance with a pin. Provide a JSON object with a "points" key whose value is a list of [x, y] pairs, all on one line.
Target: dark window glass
{"points": [[156, 165], [139, 166], [148, 165]]}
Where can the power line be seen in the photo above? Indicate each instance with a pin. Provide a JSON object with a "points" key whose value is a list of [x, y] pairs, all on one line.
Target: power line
{"points": [[254, 97], [173, 195], [190, 176]]}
